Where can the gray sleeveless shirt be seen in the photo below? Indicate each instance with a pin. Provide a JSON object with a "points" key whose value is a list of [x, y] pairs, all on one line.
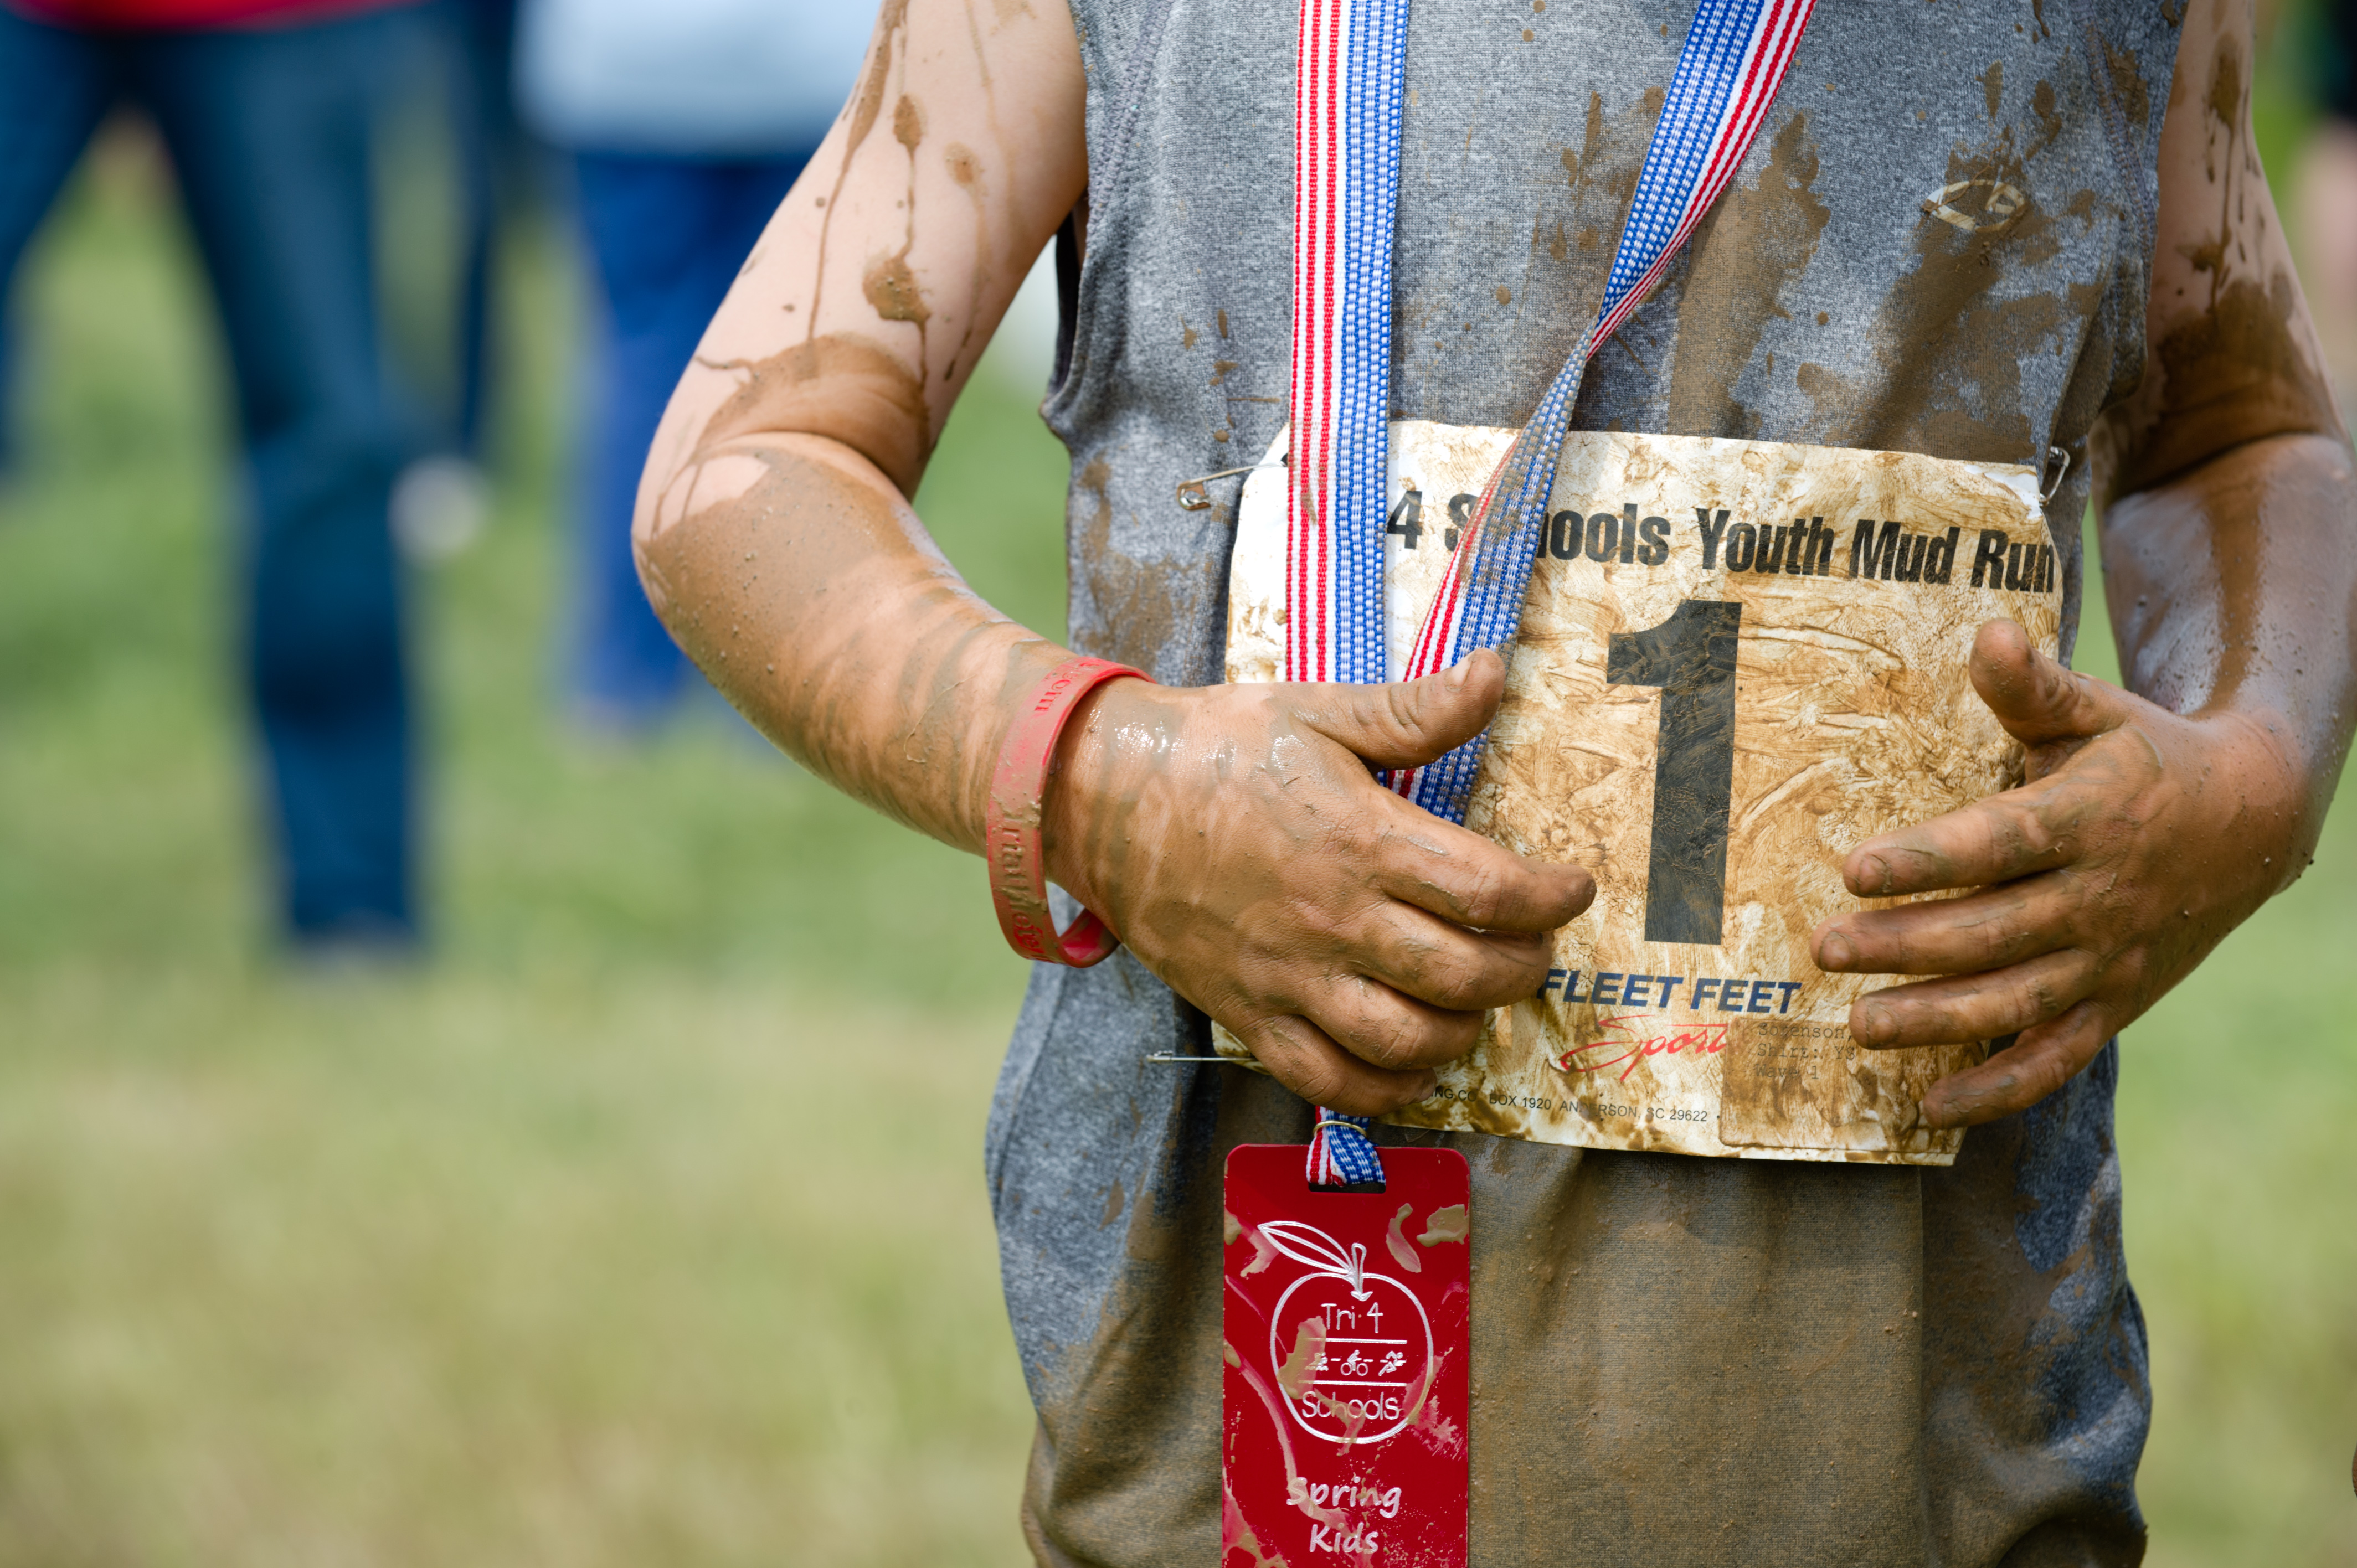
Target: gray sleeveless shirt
{"points": [[1938, 245]]}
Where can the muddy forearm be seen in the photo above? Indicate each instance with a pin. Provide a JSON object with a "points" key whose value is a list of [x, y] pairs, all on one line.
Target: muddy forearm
{"points": [[2224, 478], [797, 578], [2231, 590]]}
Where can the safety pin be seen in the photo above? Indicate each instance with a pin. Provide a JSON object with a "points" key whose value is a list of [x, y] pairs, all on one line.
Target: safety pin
{"points": [[1195, 498], [1173, 1057], [2050, 490]]}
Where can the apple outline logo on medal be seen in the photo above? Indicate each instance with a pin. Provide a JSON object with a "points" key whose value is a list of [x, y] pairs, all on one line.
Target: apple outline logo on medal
{"points": [[1327, 1260]]}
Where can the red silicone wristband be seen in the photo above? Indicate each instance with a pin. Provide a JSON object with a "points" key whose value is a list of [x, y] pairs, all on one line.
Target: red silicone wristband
{"points": [[1018, 883]]}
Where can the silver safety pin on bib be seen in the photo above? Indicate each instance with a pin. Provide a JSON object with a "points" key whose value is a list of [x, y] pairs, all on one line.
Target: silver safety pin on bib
{"points": [[2059, 461], [1195, 498]]}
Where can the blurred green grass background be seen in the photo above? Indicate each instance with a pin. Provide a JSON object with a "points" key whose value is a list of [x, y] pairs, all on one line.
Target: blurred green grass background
{"points": [[647, 1224]]}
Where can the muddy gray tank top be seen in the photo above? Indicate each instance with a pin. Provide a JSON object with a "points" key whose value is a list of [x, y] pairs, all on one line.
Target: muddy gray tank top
{"points": [[1938, 245]]}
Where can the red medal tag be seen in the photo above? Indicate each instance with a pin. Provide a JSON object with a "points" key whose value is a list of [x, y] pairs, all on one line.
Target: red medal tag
{"points": [[1347, 1351]]}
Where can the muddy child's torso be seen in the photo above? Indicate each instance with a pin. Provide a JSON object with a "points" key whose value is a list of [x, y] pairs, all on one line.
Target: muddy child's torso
{"points": [[1937, 245]]}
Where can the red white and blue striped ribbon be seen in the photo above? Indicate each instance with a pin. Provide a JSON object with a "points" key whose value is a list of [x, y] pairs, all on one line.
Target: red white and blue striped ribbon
{"points": [[1347, 90], [1347, 170], [1734, 59], [1340, 1151]]}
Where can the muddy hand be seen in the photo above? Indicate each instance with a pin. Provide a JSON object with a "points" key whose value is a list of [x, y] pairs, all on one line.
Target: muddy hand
{"points": [[2138, 841], [1235, 839]]}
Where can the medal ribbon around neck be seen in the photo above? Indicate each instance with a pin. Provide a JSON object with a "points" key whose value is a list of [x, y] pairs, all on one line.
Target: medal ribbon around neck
{"points": [[1352, 64], [1348, 88], [1346, 159]]}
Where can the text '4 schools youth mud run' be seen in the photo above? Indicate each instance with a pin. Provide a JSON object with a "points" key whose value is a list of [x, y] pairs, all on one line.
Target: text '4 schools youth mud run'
{"points": [[1881, 549]]}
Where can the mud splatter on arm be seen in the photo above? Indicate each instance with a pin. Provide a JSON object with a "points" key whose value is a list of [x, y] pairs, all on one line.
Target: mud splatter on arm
{"points": [[2224, 483], [774, 533], [2231, 355]]}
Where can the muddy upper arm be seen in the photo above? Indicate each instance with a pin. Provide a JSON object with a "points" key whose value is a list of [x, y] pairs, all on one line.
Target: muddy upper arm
{"points": [[871, 294], [2231, 355]]}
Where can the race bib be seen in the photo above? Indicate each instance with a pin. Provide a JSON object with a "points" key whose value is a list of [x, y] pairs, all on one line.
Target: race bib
{"points": [[1737, 660]]}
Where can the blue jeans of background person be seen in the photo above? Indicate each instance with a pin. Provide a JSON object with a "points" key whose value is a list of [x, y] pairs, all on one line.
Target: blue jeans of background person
{"points": [[270, 134], [668, 235]]}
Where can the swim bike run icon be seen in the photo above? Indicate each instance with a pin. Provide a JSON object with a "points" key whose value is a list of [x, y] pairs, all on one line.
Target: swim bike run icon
{"points": [[1362, 1352]]}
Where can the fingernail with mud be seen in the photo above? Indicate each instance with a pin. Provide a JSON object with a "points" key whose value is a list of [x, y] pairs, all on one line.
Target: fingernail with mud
{"points": [[1871, 1025], [1834, 951], [1874, 871]]}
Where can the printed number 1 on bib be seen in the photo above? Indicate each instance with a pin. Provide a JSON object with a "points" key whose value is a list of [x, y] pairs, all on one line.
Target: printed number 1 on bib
{"points": [[1691, 657]]}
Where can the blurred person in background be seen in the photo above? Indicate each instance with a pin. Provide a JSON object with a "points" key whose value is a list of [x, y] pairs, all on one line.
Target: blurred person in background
{"points": [[268, 112], [503, 173], [688, 123]]}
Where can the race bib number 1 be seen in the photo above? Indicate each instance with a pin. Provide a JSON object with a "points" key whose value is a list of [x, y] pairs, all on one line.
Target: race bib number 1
{"points": [[1737, 660], [1346, 1345]]}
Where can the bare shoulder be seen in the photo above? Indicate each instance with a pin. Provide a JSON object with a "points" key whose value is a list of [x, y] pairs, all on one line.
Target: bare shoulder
{"points": [[2232, 356], [862, 310]]}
